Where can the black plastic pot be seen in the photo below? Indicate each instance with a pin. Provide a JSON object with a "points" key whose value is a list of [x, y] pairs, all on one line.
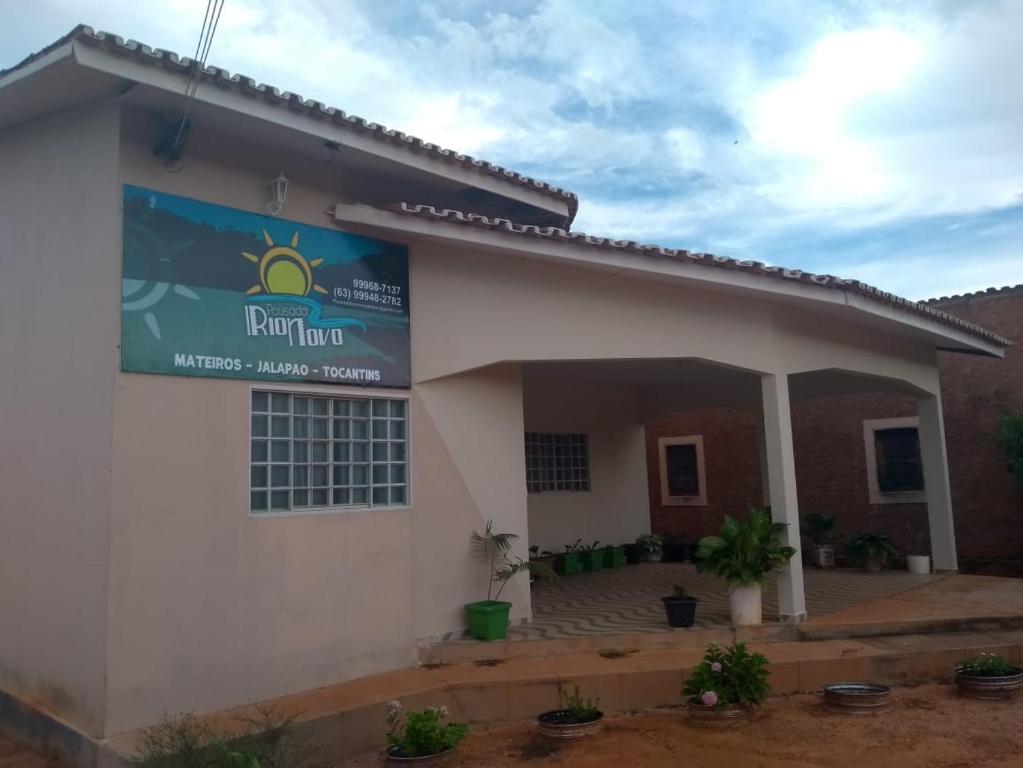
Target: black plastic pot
{"points": [[675, 550], [681, 611], [633, 554]]}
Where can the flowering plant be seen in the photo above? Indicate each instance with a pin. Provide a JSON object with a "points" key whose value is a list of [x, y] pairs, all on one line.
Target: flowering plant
{"points": [[985, 665], [728, 677], [418, 734]]}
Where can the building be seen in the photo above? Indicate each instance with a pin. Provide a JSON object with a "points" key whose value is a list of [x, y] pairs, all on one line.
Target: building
{"points": [[841, 475], [246, 436]]}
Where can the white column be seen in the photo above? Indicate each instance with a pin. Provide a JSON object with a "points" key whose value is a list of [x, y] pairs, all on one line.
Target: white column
{"points": [[936, 487], [781, 472]]}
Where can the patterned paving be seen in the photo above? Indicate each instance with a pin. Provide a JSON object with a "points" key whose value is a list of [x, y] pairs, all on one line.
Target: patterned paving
{"points": [[628, 600]]}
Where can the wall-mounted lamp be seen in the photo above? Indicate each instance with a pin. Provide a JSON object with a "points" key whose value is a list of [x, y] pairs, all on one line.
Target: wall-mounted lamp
{"points": [[278, 195]]}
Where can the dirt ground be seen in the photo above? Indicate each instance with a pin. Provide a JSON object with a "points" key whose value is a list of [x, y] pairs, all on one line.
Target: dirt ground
{"points": [[926, 726]]}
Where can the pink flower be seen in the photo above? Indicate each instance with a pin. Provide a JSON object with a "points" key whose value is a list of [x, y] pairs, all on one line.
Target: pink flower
{"points": [[709, 698], [715, 666]]}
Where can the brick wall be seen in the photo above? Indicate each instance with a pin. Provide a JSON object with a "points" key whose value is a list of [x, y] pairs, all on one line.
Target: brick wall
{"points": [[831, 471]]}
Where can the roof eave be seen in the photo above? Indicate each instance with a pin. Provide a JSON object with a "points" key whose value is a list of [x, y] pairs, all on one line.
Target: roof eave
{"points": [[675, 269]]}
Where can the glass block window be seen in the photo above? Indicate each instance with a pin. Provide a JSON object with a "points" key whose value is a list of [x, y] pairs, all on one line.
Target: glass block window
{"points": [[319, 451], [557, 462]]}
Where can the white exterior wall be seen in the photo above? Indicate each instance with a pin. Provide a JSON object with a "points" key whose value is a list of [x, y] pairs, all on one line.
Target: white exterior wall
{"points": [[59, 296], [616, 509]]}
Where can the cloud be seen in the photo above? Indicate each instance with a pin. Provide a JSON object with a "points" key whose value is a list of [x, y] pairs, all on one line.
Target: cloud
{"points": [[869, 136]]}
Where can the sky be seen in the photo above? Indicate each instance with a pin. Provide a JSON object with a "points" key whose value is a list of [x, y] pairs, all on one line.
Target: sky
{"points": [[881, 141]]}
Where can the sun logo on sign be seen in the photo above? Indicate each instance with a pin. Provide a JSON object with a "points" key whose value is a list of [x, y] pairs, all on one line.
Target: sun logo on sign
{"points": [[283, 270]]}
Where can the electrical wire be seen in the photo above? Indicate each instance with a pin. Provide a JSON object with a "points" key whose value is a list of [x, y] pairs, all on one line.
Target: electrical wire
{"points": [[211, 19]]}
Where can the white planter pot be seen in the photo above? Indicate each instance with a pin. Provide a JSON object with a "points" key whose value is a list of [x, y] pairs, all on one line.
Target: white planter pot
{"points": [[745, 605], [654, 557], [824, 555], [918, 564]]}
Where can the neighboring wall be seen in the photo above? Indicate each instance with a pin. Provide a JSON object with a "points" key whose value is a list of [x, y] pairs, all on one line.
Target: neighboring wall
{"points": [[831, 465], [59, 296], [614, 510]]}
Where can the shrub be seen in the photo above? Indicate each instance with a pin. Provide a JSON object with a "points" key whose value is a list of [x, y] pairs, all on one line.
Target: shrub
{"points": [[746, 551], [862, 547], [985, 665], [418, 734], [582, 710], [264, 740], [729, 677], [1010, 440]]}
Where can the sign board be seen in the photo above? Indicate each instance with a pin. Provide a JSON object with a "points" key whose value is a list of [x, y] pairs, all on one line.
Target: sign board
{"points": [[214, 291]]}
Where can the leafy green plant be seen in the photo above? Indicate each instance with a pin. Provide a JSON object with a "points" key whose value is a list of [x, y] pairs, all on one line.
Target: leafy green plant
{"points": [[1010, 440], [985, 665], [819, 528], [864, 547], [746, 551], [649, 543], [590, 547], [422, 733], [575, 547], [494, 547], [679, 591], [582, 710], [729, 677], [266, 739]]}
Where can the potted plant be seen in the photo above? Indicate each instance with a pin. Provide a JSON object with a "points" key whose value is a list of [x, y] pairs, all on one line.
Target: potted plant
{"points": [[542, 557], [727, 686], [488, 619], [872, 551], [743, 555], [579, 717], [592, 556], [680, 607], [1010, 440], [917, 564], [570, 561], [614, 557], [652, 546], [988, 676], [819, 528], [674, 548], [634, 554], [421, 738]]}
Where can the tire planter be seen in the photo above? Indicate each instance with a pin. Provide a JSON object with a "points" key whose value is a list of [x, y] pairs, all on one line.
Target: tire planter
{"points": [[719, 717], [393, 757], [681, 611], [559, 724], [990, 688], [488, 619], [857, 698]]}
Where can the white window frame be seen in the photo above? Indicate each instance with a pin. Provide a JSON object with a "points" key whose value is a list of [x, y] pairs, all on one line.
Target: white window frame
{"points": [[874, 492], [700, 500], [319, 391]]}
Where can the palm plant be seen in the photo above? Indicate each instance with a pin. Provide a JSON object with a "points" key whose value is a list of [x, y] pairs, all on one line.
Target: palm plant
{"points": [[746, 551], [494, 548]]}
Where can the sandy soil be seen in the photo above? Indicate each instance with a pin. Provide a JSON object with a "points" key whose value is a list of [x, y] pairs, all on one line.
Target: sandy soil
{"points": [[927, 726]]}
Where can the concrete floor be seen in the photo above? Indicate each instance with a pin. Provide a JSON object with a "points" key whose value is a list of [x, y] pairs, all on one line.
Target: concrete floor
{"points": [[628, 600]]}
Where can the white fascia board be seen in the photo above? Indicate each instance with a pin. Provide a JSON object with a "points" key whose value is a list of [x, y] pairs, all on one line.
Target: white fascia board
{"points": [[44, 61], [589, 257], [254, 106]]}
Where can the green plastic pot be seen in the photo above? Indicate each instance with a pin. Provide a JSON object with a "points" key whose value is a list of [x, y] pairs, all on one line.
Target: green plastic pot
{"points": [[614, 558], [593, 559], [567, 563], [488, 619]]}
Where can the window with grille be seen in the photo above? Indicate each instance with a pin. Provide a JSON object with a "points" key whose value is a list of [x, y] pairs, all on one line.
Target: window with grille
{"points": [[898, 460], [557, 462], [311, 451]]}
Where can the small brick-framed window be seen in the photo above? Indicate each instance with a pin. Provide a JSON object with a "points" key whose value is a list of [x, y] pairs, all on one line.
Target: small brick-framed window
{"points": [[894, 467], [312, 451], [682, 470], [557, 462]]}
